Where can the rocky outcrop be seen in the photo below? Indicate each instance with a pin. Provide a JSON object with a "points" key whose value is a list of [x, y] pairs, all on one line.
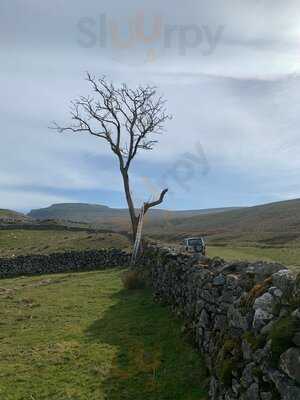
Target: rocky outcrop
{"points": [[244, 318]]}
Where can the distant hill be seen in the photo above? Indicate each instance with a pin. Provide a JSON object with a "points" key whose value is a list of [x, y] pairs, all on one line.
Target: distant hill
{"points": [[270, 224], [274, 224], [112, 218], [266, 225], [9, 216], [73, 211]]}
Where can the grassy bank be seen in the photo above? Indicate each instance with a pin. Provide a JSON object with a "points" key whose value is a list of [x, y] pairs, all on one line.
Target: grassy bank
{"points": [[289, 256], [82, 337]]}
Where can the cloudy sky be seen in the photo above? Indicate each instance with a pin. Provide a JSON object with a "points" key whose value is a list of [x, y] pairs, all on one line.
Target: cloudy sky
{"points": [[230, 73]]}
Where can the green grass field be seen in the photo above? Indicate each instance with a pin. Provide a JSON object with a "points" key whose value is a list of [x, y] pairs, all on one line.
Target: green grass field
{"points": [[82, 337], [289, 256], [16, 242]]}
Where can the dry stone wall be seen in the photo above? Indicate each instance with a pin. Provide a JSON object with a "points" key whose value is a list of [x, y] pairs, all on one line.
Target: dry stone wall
{"points": [[244, 318], [71, 261]]}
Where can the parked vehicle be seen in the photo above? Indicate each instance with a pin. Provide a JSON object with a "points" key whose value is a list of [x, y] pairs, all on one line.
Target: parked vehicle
{"points": [[195, 245]]}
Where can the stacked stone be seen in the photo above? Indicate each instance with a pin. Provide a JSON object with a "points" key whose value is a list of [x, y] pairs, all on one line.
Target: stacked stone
{"points": [[71, 261], [237, 314]]}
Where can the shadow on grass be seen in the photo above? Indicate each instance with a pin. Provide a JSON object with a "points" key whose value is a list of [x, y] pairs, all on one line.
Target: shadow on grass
{"points": [[153, 360]]}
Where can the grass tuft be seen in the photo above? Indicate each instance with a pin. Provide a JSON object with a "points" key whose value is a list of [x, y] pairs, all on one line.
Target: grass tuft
{"points": [[282, 334], [132, 280]]}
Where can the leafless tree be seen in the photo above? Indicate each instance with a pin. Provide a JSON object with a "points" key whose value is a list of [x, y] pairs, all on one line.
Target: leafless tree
{"points": [[127, 119]]}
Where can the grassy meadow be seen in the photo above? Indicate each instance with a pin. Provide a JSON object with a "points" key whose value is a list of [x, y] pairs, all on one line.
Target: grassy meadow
{"points": [[82, 337], [16, 242], [289, 256]]}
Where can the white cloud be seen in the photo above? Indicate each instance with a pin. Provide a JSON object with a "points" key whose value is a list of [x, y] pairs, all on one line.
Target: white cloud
{"points": [[241, 103], [23, 200]]}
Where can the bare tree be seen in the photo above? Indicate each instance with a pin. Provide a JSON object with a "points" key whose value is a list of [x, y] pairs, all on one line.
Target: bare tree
{"points": [[127, 119]]}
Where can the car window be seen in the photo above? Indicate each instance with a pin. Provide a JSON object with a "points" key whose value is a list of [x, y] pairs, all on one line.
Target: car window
{"points": [[195, 242]]}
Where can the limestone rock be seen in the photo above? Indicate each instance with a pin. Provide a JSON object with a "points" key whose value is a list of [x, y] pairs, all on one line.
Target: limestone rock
{"points": [[262, 354], [247, 351], [274, 291], [264, 302], [287, 390], [219, 280], [253, 392], [236, 319], [290, 363], [204, 319], [283, 280], [262, 270], [220, 322], [261, 318], [247, 376]]}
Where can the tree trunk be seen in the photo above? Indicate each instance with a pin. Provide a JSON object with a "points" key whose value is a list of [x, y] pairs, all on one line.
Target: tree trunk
{"points": [[134, 219]]}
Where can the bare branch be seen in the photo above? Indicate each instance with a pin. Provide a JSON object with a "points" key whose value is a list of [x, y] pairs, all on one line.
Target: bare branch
{"points": [[156, 202]]}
